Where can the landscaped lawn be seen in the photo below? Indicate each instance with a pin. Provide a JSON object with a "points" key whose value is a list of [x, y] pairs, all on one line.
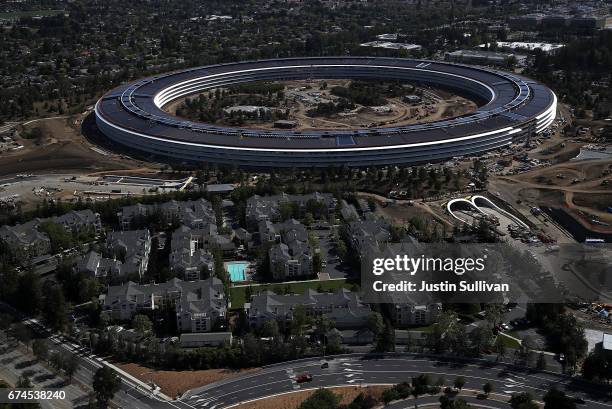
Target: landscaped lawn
{"points": [[508, 342], [237, 294]]}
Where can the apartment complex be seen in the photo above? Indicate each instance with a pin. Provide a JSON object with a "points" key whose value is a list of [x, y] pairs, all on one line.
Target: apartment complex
{"points": [[26, 241], [290, 254], [262, 208], [132, 248], [343, 307], [195, 214], [199, 305]]}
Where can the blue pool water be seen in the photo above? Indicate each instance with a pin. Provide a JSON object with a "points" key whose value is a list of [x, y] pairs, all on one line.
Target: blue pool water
{"points": [[237, 271]]}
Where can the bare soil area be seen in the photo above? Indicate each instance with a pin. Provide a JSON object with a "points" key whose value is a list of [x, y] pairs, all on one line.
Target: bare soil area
{"points": [[401, 211], [293, 400], [583, 188], [62, 148], [573, 175], [597, 201], [174, 383], [557, 151], [401, 214]]}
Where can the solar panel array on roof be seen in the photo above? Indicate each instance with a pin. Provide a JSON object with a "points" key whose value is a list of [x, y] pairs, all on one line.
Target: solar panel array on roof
{"points": [[514, 116], [132, 105], [345, 140]]}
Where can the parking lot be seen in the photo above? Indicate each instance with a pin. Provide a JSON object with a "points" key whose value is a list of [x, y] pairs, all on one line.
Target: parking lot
{"points": [[331, 263], [16, 363], [29, 189]]}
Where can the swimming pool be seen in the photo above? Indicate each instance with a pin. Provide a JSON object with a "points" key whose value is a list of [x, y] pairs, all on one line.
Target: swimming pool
{"points": [[237, 270]]}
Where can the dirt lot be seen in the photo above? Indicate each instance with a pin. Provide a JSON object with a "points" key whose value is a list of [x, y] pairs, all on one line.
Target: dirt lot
{"points": [[401, 214], [173, 383], [401, 211], [556, 152], [61, 147], [293, 400], [597, 201], [575, 175], [583, 188]]}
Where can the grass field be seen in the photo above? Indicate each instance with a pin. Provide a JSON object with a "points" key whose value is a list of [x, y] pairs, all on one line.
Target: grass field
{"points": [[34, 13], [508, 342], [237, 294]]}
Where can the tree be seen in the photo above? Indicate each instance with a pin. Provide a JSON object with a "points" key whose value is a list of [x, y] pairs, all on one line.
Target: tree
{"points": [[386, 340], [22, 333], [447, 403], [317, 262], [487, 388], [375, 323], [299, 319], [71, 365], [61, 239], [55, 308], [141, 323], [598, 365], [459, 382], [500, 348], [28, 297], [480, 339], [555, 399], [57, 361], [363, 401], [105, 384], [270, 329], [24, 382], [522, 401], [541, 364], [563, 331], [40, 349], [321, 399], [420, 386], [5, 319], [389, 395], [494, 312]]}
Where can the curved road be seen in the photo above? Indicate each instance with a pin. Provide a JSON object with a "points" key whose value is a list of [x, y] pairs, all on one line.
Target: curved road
{"points": [[391, 369], [345, 370], [434, 401]]}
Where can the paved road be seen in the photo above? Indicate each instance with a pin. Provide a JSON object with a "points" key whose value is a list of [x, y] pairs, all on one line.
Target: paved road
{"points": [[130, 395], [361, 370], [434, 401], [357, 369]]}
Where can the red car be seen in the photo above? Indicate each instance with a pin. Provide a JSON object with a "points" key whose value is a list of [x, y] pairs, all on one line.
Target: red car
{"points": [[304, 377]]}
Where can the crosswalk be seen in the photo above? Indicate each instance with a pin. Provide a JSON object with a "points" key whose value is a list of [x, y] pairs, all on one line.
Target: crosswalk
{"points": [[512, 385], [353, 372], [291, 374]]}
